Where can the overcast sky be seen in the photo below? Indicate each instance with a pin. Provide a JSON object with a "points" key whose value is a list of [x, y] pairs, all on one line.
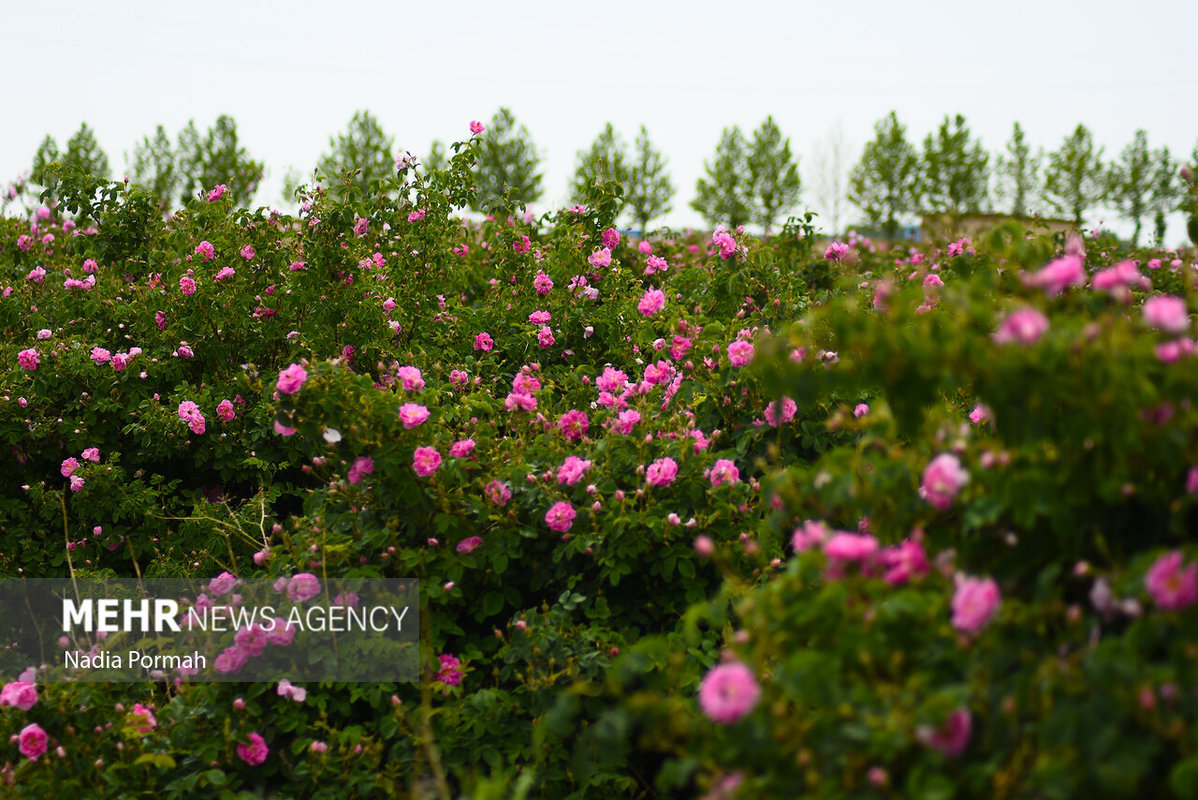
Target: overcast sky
{"points": [[292, 74]]}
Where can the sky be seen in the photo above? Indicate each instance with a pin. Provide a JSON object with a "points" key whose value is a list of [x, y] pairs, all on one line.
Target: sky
{"points": [[292, 75]]}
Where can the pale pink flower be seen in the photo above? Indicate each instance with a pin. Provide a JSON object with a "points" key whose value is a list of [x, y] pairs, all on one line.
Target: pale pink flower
{"points": [[560, 516], [461, 448], [19, 694], [809, 535], [413, 415], [425, 461], [652, 301], [545, 337], [974, 603], [724, 241], [724, 471], [28, 359], [1166, 313], [904, 562], [572, 470], [1024, 326], [662, 472], [498, 493], [68, 467], [626, 419], [850, 546], [860, 410], [303, 587], [1059, 274], [979, 414], [469, 544], [32, 741], [1172, 588], [410, 378], [728, 692], [255, 752], [573, 424], [222, 584], [942, 480], [363, 465], [740, 353], [291, 379], [836, 251], [205, 250], [225, 411], [600, 258]]}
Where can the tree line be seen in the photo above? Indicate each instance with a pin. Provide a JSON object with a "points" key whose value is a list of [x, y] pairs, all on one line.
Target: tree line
{"points": [[749, 179]]}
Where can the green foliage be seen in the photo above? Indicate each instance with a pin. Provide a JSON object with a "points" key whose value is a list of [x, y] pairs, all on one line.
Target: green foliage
{"points": [[507, 174], [47, 154], [1130, 182], [1165, 191], [1018, 173], [773, 174], [885, 182], [1074, 179], [85, 155], [650, 191], [605, 161], [216, 158], [364, 150], [725, 195], [955, 172], [154, 167]]}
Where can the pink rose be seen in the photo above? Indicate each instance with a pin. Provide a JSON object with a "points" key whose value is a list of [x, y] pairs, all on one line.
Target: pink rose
{"points": [[32, 741], [724, 471], [303, 587], [225, 411], [728, 692], [412, 415], [1024, 326], [740, 353], [28, 359], [942, 480], [19, 694], [498, 493], [425, 461], [363, 465], [255, 752], [662, 472], [560, 516], [652, 302], [1166, 313], [291, 379], [1172, 588], [974, 602]]}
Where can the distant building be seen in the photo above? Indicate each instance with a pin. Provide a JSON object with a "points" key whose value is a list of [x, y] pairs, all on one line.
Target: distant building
{"points": [[943, 227]]}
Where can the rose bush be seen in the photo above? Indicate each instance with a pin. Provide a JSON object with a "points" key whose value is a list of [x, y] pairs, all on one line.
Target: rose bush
{"points": [[714, 514]]}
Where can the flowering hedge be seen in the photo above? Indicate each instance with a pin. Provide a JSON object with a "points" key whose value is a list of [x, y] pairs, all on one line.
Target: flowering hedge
{"points": [[718, 516]]}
